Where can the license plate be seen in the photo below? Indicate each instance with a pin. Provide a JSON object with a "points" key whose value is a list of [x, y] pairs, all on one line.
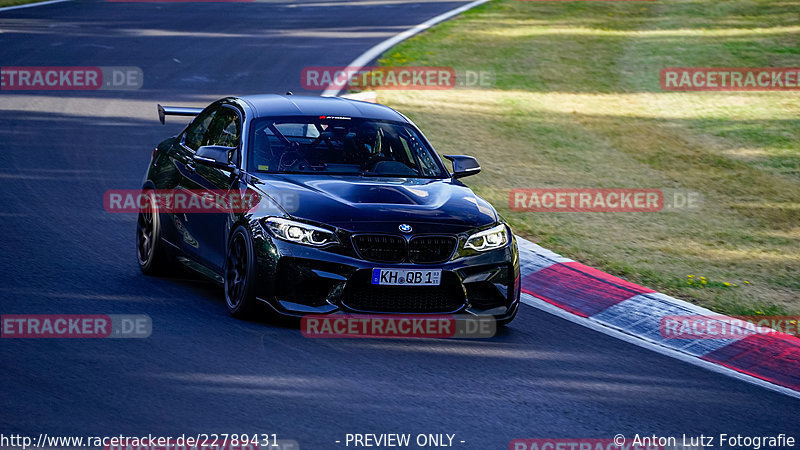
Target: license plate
{"points": [[406, 277]]}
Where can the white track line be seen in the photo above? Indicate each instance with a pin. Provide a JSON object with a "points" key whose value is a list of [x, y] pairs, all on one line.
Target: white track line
{"points": [[377, 50], [31, 5]]}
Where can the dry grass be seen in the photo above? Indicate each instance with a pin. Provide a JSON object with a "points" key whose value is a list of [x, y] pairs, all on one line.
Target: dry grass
{"points": [[577, 104], [16, 2]]}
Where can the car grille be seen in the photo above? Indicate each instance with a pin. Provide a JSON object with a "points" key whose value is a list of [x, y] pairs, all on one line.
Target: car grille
{"points": [[380, 247], [394, 249], [362, 296], [431, 249]]}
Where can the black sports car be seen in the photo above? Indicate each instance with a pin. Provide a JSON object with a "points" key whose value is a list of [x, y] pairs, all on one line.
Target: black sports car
{"points": [[351, 210]]}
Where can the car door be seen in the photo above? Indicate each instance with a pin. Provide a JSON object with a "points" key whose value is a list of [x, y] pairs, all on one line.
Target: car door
{"points": [[182, 155], [208, 226]]}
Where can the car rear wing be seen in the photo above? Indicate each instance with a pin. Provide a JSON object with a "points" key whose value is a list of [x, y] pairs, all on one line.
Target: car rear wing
{"points": [[164, 111]]}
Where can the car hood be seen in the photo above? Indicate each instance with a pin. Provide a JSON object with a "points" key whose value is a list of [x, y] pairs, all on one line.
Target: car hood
{"points": [[368, 203]]}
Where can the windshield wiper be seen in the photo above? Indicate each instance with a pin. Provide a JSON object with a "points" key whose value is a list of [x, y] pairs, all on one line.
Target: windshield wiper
{"points": [[388, 175], [311, 172]]}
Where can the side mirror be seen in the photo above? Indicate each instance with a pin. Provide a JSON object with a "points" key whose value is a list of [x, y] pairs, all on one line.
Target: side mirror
{"points": [[464, 165], [215, 156]]}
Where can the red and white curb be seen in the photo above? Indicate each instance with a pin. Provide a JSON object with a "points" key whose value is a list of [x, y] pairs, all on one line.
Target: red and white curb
{"points": [[633, 313]]}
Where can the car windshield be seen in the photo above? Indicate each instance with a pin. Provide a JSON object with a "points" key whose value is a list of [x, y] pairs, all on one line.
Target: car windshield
{"points": [[341, 146]]}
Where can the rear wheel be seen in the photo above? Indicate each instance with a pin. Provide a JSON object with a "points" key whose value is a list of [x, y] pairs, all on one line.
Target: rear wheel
{"points": [[239, 275], [154, 257]]}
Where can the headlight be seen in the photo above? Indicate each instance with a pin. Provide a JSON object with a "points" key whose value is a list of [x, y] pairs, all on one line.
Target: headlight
{"points": [[490, 239], [300, 233]]}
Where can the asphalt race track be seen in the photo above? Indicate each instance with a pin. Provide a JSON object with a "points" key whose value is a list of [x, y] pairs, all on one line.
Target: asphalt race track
{"points": [[204, 372]]}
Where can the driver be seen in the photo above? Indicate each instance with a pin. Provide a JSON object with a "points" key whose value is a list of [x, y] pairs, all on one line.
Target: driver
{"points": [[368, 143]]}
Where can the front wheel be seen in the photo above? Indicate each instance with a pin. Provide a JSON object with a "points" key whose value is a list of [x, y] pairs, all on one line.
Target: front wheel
{"points": [[504, 322], [240, 275]]}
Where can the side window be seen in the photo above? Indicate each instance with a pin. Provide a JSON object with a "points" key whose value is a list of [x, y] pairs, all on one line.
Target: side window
{"points": [[225, 129], [197, 131]]}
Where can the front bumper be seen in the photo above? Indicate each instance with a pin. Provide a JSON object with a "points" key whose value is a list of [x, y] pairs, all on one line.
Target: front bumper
{"points": [[297, 280]]}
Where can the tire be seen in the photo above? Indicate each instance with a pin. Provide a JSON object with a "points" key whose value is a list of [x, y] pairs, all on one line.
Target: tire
{"points": [[239, 277], [154, 256], [507, 320]]}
